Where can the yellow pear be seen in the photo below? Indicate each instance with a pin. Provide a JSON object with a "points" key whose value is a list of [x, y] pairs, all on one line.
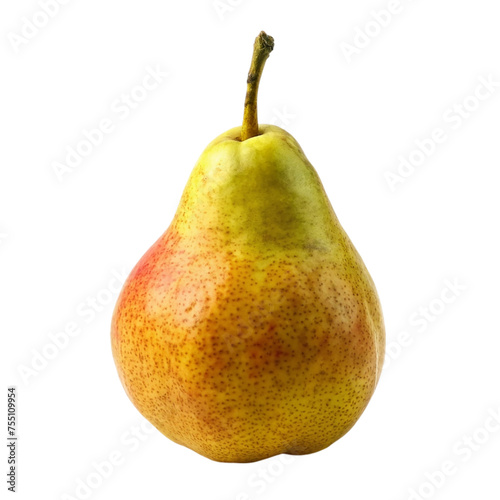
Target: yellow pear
{"points": [[251, 327]]}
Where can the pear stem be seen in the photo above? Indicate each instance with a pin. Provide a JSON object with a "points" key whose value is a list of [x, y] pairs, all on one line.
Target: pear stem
{"points": [[263, 46]]}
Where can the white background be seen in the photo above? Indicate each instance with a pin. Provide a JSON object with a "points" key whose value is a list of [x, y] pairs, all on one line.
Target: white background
{"points": [[63, 241]]}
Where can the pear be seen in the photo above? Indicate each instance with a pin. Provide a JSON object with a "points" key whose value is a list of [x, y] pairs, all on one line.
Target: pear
{"points": [[251, 327]]}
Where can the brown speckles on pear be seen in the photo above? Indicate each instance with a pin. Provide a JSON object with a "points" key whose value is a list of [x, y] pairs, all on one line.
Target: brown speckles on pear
{"points": [[251, 327], [236, 357]]}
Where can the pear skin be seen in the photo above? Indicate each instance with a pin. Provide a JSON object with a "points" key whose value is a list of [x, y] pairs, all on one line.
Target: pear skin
{"points": [[251, 327]]}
